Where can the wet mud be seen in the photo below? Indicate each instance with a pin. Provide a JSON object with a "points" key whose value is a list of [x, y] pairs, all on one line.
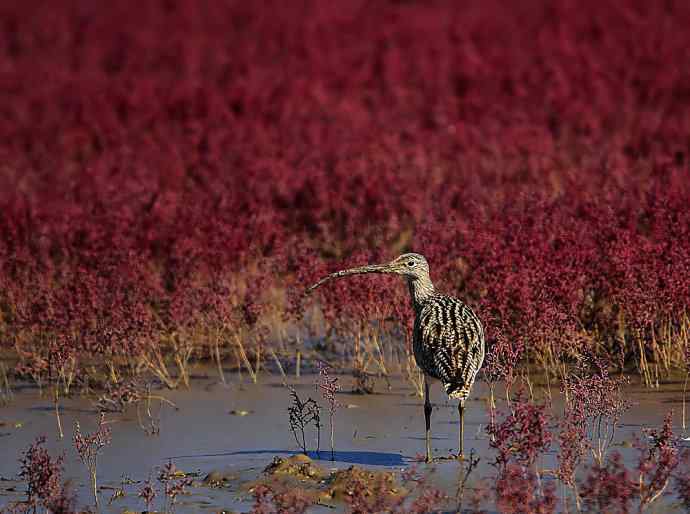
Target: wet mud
{"points": [[228, 439]]}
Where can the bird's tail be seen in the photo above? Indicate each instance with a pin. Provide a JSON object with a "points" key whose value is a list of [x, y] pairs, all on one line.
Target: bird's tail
{"points": [[457, 391]]}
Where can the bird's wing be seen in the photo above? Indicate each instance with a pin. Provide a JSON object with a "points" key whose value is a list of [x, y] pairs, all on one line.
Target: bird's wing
{"points": [[452, 340]]}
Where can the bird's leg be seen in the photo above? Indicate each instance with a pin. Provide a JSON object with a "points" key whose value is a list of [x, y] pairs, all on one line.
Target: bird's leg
{"points": [[427, 417], [461, 412]]}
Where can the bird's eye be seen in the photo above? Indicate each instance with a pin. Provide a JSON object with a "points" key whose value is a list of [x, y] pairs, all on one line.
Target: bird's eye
{"points": [[410, 264]]}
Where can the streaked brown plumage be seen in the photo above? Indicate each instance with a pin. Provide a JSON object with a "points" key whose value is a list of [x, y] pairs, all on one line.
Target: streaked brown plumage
{"points": [[448, 338]]}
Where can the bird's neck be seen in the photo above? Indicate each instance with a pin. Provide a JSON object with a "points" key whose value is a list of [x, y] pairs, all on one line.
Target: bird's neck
{"points": [[421, 289]]}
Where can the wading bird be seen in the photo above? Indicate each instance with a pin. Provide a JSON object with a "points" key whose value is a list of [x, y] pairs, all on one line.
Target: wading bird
{"points": [[448, 338]]}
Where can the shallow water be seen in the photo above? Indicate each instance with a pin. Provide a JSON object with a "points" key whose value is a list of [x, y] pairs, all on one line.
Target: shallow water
{"points": [[383, 430]]}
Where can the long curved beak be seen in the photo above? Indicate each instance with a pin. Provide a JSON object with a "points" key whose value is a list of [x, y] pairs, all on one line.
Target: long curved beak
{"points": [[372, 268]]}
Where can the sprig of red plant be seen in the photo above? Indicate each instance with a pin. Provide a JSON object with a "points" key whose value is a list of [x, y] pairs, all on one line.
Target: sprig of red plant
{"points": [[43, 475], [608, 488], [657, 462], [522, 435], [518, 490], [329, 386], [89, 447]]}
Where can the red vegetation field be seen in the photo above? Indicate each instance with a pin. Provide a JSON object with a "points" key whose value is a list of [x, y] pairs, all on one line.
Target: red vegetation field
{"points": [[169, 170]]}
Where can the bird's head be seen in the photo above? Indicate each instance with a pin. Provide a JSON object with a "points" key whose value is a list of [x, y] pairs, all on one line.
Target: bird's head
{"points": [[412, 266]]}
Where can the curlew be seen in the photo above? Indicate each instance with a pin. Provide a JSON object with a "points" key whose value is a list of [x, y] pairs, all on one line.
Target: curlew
{"points": [[448, 338]]}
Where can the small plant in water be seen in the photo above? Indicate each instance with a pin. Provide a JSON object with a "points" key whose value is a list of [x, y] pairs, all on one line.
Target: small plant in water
{"points": [[465, 472], [608, 487], [118, 395], [573, 444], [89, 446], [657, 462], [120, 492], [175, 483], [147, 493], [302, 414], [599, 398], [43, 475], [519, 490], [522, 435], [329, 387]]}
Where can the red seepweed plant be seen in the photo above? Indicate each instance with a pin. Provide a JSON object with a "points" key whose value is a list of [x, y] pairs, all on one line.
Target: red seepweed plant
{"points": [[519, 439], [612, 487], [523, 434], [573, 445], [175, 215], [329, 386], [608, 487], [147, 493], [43, 475], [89, 446], [175, 482], [657, 462], [557, 211], [519, 490], [594, 401]]}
